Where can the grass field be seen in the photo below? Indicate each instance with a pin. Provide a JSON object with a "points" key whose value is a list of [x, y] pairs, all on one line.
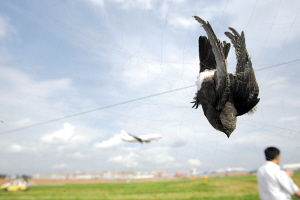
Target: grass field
{"points": [[226, 188]]}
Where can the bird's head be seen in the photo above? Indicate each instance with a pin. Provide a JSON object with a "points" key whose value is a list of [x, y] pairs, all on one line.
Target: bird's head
{"points": [[228, 133], [228, 118]]}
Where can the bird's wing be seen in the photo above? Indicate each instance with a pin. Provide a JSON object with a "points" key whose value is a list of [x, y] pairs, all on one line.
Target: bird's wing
{"points": [[245, 91], [207, 62], [206, 55], [220, 51]]}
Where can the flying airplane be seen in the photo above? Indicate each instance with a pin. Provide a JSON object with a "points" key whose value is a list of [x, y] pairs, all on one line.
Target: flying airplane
{"points": [[127, 137]]}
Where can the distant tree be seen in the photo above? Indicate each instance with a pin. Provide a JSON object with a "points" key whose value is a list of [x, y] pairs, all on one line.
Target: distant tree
{"points": [[2, 176], [26, 177]]}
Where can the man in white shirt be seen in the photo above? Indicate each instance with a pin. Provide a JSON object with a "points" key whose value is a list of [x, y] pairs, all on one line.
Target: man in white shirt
{"points": [[274, 183]]}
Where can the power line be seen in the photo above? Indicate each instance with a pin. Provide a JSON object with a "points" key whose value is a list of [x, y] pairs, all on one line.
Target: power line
{"points": [[129, 101], [96, 109], [278, 64], [251, 16]]}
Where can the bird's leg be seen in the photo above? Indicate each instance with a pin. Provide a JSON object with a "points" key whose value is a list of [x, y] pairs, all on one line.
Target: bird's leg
{"points": [[196, 101]]}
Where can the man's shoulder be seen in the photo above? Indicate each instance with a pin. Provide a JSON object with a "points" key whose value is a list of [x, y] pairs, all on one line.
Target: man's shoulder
{"points": [[261, 171], [267, 168], [262, 167]]}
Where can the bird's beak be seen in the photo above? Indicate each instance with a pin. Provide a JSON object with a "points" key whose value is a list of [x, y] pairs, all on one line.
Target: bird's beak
{"points": [[228, 133]]}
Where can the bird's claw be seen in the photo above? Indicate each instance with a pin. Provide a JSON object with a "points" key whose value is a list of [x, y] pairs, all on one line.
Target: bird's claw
{"points": [[196, 103]]}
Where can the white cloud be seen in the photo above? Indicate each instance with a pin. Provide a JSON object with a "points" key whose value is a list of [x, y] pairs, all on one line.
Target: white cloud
{"points": [[16, 148], [281, 16], [111, 142], [169, 115], [293, 102], [194, 162], [277, 83], [22, 83], [77, 155], [60, 166], [96, 2], [183, 22], [34, 100], [162, 158], [145, 156], [179, 142], [23, 122], [4, 27], [129, 160], [140, 72], [126, 4], [65, 135], [289, 119], [143, 4], [158, 155]]}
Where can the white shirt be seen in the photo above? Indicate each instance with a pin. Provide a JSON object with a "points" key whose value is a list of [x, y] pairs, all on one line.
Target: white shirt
{"points": [[274, 183]]}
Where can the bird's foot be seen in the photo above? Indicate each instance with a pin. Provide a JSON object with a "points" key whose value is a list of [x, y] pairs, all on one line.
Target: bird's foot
{"points": [[196, 104]]}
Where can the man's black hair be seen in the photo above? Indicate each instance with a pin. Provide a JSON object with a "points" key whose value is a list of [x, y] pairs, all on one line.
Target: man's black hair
{"points": [[271, 153]]}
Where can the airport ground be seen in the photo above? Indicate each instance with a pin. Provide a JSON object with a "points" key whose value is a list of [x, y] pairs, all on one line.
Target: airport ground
{"points": [[197, 188]]}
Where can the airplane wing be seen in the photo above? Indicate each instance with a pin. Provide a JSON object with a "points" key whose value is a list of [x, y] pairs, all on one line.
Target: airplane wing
{"points": [[149, 138], [128, 137], [136, 138], [129, 140]]}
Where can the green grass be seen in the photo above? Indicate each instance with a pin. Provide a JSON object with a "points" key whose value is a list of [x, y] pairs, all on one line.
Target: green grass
{"points": [[226, 188]]}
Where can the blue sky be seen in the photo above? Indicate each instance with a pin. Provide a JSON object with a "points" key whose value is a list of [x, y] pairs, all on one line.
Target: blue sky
{"points": [[64, 57]]}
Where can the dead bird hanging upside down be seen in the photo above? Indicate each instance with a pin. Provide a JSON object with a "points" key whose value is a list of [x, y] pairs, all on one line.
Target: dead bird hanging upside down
{"points": [[224, 96]]}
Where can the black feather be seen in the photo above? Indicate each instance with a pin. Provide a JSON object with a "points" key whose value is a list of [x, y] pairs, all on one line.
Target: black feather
{"points": [[206, 56], [225, 96]]}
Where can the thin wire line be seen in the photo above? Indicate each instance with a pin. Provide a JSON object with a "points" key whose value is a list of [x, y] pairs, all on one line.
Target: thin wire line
{"points": [[268, 36], [128, 101], [251, 16], [288, 32], [278, 64], [96, 109]]}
